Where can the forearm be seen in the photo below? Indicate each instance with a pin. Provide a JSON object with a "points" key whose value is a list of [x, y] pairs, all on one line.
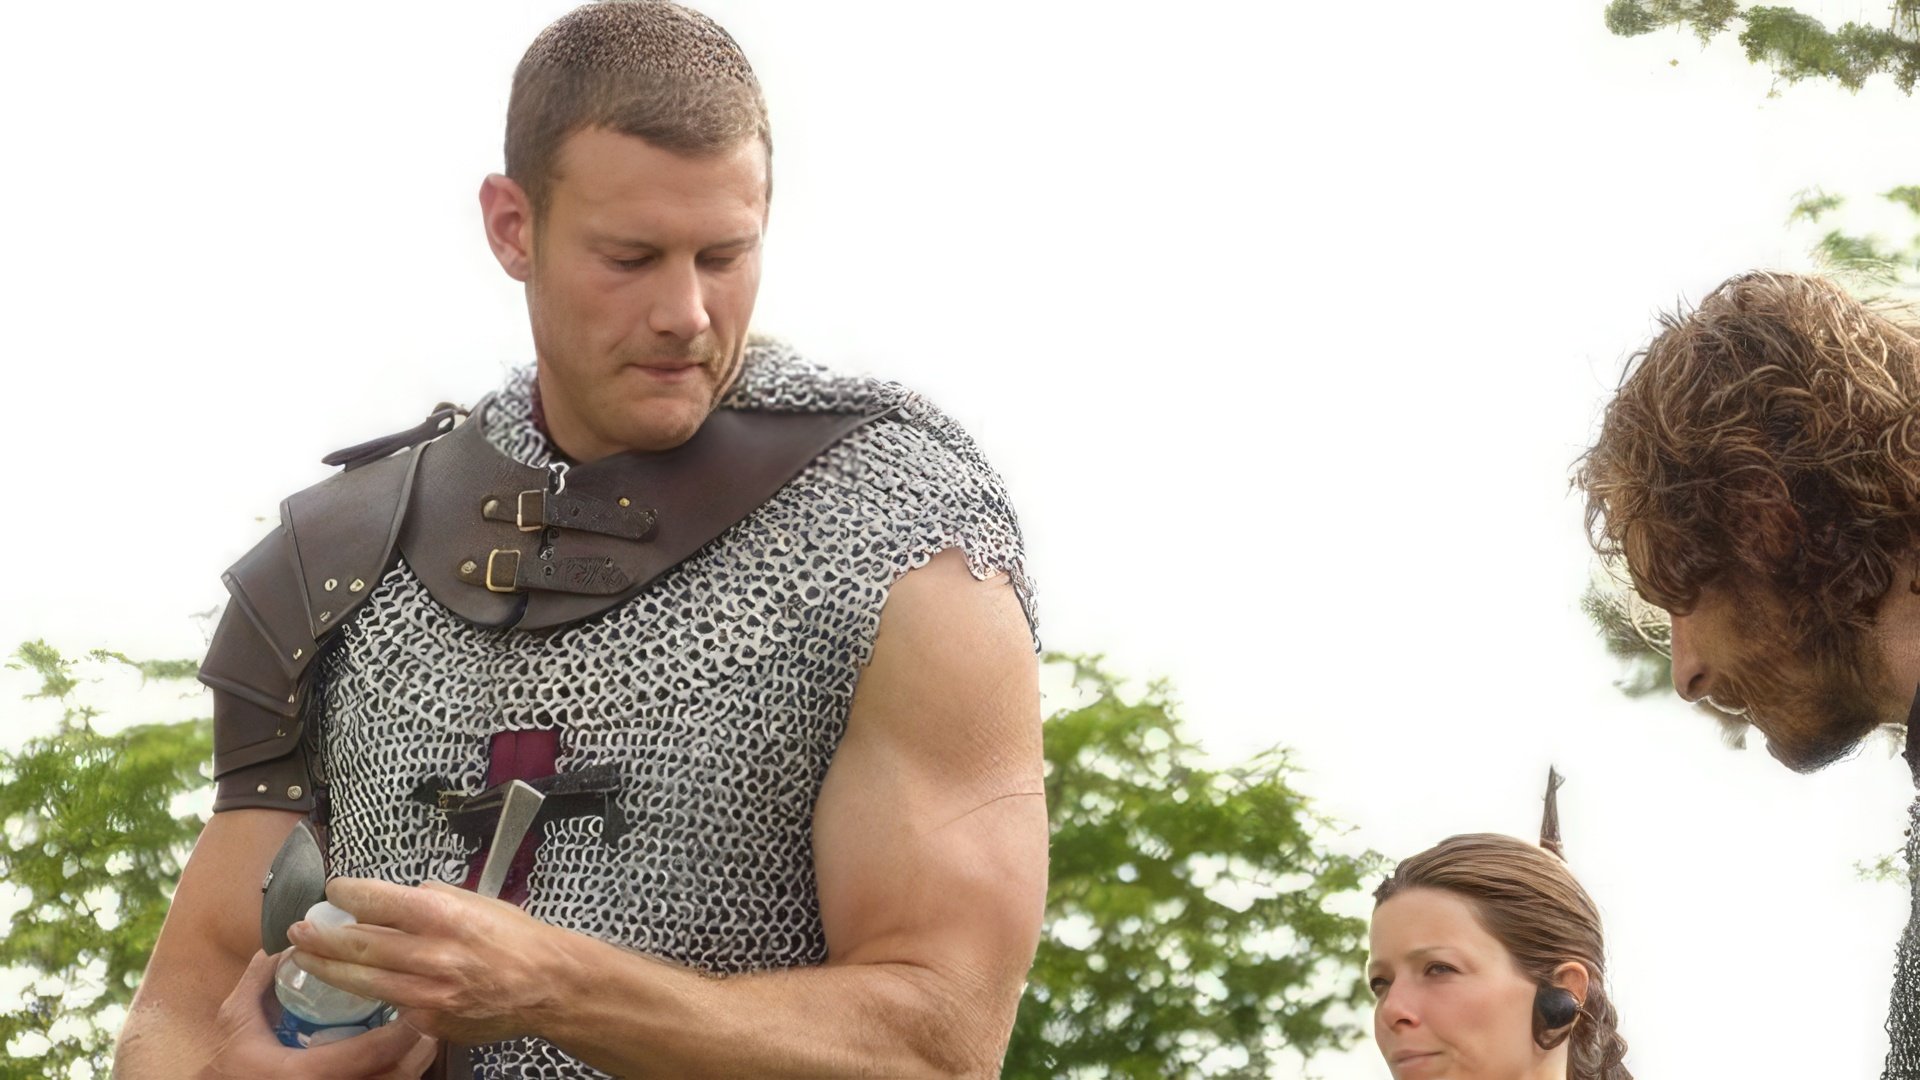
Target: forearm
{"points": [[633, 1016]]}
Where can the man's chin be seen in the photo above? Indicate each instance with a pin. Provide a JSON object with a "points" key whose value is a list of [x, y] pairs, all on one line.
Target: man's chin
{"points": [[1833, 739], [657, 425]]}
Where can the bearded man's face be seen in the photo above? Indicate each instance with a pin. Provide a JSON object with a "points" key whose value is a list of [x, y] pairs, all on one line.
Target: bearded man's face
{"points": [[1814, 703]]}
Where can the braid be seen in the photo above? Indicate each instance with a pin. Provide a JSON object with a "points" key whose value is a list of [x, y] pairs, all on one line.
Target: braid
{"points": [[1596, 1050]]}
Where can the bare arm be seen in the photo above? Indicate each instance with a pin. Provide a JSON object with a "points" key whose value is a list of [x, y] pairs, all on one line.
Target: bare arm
{"points": [[930, 849], [212, 930], [199, 1011]]}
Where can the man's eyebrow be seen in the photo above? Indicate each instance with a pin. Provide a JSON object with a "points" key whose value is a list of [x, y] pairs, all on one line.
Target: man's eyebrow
{"points": [[614, 240]]}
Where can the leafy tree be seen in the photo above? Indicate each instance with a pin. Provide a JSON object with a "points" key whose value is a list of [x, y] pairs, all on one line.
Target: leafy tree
{"points": [[91, 848], [1187, 929], [1792, 43], [1867, 262]]}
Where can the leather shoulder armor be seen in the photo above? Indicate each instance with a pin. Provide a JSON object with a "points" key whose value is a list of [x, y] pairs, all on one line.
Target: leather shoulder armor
{"points": [[288, 594], [490, 539]]}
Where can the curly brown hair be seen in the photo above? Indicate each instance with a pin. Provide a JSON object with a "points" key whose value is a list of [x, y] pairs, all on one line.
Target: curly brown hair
{"points": [[1771, 435], [1528, 900]]}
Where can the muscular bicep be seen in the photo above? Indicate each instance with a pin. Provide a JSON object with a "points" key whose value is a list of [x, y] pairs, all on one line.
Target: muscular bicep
{"points": [[930, 835]]}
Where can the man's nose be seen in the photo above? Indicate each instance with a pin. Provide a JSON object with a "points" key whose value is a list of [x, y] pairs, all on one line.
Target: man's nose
{"points": [[1690, 675], [679, 307]]}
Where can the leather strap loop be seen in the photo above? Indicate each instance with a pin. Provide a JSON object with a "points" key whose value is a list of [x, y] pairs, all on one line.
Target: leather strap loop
{"points": [[437, 422], [533, 509], [510, 570]]}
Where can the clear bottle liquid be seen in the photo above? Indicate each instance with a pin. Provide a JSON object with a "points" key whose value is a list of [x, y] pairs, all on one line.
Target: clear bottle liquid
{"points": [[312, 1012]]}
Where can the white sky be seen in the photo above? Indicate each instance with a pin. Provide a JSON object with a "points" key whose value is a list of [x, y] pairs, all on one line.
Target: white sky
{"points": [[1284, 325]]}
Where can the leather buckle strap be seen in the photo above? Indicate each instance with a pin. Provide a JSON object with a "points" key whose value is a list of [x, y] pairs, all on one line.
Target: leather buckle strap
{"points": [[534, 510], [507, 571], [539, 515], [510, 570]]}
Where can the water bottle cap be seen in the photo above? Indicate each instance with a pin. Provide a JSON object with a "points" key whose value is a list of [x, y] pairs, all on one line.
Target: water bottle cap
{"points": [[325, 914]]}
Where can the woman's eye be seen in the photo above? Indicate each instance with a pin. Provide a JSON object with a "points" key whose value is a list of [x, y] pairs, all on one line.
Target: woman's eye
{"points": [[1437, 968], [1378, 986]]}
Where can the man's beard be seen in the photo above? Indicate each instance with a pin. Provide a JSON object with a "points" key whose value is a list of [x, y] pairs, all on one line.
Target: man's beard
{"points": [[1814, 703]]}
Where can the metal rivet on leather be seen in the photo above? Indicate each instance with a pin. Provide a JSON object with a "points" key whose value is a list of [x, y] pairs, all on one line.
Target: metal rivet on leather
{"points": [[332, 584], [490, 506], [280, 734], [326, 616], [624, 501], [293, 697], [293, 791], [261, 790], [469, 566], [298, 653], [357, 585]]}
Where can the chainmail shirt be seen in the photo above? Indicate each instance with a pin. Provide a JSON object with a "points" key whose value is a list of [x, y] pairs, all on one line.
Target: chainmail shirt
{"points": [[720, 692], [1903, 1012]]}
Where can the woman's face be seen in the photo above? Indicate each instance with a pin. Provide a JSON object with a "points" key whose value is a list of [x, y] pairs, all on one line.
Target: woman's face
{"points": [[1449, 1000]]}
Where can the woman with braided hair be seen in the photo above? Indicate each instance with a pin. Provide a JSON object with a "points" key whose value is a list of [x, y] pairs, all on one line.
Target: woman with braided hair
{"points": [[1488, 964]]}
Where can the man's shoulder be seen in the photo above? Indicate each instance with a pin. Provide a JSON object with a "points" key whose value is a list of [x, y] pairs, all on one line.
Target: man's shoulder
{"points": [[335, 539], [909, 432]]}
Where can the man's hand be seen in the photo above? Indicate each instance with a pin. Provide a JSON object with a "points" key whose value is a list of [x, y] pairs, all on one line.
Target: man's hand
{"points": [[457, 965], [245, 1046]]}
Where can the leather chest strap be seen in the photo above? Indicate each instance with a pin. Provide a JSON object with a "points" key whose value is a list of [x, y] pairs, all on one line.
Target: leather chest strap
{"points": [[500, 545]]}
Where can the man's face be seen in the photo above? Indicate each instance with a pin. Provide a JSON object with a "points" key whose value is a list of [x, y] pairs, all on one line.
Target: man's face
{"points": [[1733, 651], [643, 278]]}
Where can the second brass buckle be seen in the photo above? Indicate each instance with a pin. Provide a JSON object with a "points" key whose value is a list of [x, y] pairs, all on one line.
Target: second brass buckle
{"points": [[512, 573], [539, 513]]}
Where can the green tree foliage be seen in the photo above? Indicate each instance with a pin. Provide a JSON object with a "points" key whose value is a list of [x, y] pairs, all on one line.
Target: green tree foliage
{"points": [[1869, 263], [1793, 44], [1187, 918], [1632, 635], [90, 851]]}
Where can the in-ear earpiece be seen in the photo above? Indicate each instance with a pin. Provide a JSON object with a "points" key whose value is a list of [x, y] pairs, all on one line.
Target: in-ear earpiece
{"points": [[1555, 1006]]}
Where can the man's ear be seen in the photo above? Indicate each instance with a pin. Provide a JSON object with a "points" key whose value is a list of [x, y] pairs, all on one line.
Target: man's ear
{"points": [[507, 214], [1572, 977]]}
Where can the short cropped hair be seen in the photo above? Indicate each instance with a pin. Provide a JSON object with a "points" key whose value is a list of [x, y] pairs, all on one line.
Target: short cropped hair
{"points": [[647, 68], [1771, 434]]}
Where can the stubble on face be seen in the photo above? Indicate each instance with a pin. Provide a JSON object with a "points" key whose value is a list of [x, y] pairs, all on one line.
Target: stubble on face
{"points": [[1813, 701]]}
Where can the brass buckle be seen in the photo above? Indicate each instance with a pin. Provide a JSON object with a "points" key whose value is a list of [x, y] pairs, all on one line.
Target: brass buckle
{"points": [[520, 511], [511, 574]]}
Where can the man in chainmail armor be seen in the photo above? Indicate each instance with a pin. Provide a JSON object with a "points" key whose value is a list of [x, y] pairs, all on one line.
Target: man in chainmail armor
{"points": [[759, 635], [1759, 473]]}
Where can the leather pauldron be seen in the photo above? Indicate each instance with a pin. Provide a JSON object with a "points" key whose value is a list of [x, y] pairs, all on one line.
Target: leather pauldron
{"points": [[498, 542]]}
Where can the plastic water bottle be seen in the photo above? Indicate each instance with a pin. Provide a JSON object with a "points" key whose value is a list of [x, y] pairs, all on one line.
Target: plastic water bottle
{"points": [[313, 1013]]}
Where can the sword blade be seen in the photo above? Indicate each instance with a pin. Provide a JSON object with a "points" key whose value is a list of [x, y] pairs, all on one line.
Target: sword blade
{"points": [[517, 811]]}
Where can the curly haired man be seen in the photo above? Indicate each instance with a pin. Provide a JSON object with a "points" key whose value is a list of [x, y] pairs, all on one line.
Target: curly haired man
{"points": [[1759, 472]]}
